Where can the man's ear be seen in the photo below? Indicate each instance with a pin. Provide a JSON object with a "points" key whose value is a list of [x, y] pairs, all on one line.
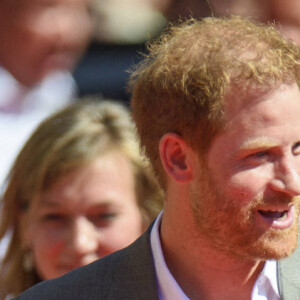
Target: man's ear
{"points": [[176, 157]]}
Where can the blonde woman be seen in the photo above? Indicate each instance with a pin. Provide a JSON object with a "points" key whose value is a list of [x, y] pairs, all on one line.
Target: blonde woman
{"points": [[79, 190]]}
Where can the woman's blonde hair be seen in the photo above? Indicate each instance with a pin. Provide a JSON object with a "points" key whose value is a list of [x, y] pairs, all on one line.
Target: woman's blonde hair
{"points": [[72, 138]]}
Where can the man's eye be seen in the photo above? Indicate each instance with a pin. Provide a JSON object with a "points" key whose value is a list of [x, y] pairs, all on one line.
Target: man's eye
{"points": [[260, 154], [258, 157], [296, 149]]}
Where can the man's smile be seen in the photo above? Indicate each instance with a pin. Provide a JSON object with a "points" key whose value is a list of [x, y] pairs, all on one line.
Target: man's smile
{"points": [[278, 218]]}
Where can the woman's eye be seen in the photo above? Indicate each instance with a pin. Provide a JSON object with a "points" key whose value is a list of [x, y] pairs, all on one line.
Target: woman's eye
{"points": [[54, 217], [103, 219], [106, 216], [109, 215]]}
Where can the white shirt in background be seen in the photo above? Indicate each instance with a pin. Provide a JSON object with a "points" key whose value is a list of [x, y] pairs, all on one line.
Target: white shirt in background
{"points": [[22, 109]]}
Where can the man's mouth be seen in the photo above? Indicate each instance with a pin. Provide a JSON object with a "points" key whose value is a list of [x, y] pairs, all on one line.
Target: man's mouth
{"points": [[274, 214], [278, 218]]}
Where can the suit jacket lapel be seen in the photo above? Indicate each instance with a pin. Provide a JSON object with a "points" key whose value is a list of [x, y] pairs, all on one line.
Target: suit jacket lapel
{"points": [[134, 277]]}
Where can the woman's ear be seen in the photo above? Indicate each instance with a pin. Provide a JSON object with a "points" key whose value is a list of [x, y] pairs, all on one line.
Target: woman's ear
{"points": [[28, 256], [176, 157]]}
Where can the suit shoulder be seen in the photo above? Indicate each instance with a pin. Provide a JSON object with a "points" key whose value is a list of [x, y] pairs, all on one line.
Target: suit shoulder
{"points": [[75, 284], [107, 278]]}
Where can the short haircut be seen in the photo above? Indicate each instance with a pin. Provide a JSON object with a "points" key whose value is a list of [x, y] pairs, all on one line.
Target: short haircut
{"points": [[182, 84]]}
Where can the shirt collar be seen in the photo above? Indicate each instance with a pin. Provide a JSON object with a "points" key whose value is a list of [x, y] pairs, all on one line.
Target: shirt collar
{"points": [[265, 287], [168, 288]]}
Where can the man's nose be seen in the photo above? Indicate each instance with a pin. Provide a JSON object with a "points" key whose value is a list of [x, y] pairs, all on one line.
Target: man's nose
{"points": [[84, 237], [287, 176]]}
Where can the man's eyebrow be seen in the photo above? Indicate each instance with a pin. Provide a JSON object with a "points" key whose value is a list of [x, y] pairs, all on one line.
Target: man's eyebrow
{"points": [[258, 143]]}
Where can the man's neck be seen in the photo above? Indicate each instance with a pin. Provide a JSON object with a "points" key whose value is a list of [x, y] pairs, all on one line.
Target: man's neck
{"points": [[201, 271]]}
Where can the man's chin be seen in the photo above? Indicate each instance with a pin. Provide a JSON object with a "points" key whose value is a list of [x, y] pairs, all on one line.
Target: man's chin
{"points": [[277, 245]]}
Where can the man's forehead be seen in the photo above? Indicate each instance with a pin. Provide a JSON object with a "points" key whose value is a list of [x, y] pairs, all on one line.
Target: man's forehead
{"points": [[244, 95], [247, 99], [265, 120]]}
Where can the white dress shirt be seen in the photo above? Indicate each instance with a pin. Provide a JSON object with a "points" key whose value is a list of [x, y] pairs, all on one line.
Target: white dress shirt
{"points": [[22, 109], [265, 287]]}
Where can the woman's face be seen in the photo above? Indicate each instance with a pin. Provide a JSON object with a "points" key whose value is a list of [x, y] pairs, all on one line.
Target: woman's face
{"points": [[86, 215]]}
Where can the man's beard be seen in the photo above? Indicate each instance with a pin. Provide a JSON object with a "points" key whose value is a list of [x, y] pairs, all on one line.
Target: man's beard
{"points": [[229, 227]]}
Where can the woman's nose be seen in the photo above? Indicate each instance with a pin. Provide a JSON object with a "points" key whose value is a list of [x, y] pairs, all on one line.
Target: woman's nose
{"points": [[84, 238]]}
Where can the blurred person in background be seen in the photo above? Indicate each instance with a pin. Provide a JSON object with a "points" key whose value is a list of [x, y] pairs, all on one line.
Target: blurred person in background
{"points": [[287, 16], [79, 190], [284, 14], [123, 26], [121, 29], [173, 10], [41, 42]]}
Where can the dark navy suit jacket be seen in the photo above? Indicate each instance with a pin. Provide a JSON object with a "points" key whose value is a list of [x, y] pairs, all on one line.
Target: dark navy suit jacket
{"points": [[129, 274]]}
